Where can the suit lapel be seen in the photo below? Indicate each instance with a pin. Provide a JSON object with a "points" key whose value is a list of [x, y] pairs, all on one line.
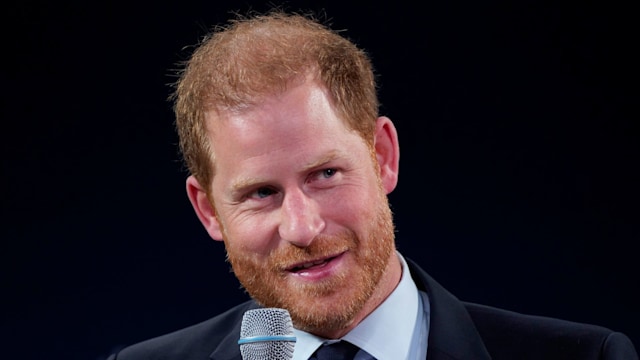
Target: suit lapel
{"points": [[452, 333]]}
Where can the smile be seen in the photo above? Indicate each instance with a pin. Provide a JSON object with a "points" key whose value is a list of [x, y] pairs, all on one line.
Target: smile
{"points": [[315, 264]]}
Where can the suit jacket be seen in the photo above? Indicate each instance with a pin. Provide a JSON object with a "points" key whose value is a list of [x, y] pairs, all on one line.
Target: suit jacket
{"points": [[458, 330]]}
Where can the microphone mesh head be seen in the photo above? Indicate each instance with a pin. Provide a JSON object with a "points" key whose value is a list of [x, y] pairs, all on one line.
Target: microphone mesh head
{"points": [[267, 322]]}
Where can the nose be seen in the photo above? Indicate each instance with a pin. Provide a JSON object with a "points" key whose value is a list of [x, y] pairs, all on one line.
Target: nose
{"points": [[300, 219]]}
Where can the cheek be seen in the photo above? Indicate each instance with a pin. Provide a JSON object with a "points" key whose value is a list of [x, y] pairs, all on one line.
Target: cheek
{"points": [[249, 235], [351, 207]]}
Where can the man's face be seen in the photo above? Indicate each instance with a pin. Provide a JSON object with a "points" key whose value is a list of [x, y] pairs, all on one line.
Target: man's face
{"points": [[302, 211]]}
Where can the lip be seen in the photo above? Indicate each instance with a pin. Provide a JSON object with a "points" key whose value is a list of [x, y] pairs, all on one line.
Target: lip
{"points": [[317, 269]]}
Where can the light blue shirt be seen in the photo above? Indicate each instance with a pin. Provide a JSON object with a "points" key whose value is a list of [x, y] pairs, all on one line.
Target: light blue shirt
{"points": [[397, 329]]}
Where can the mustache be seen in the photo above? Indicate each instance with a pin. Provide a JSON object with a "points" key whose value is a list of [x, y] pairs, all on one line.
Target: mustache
{"points": [[321, 247]]}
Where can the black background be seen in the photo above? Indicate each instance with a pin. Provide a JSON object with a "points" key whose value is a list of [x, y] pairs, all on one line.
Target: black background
{"points": [[519, 162]]}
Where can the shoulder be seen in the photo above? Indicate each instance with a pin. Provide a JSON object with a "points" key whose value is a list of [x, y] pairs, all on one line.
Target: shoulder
{"points": [[510, 335], [194, 342]]}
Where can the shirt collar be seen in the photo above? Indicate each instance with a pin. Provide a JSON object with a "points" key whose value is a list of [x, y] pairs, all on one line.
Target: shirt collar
{"points": [[386, 333]]}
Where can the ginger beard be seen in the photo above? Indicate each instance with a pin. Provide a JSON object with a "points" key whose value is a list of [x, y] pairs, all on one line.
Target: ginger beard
{"points": [[330, 304]]}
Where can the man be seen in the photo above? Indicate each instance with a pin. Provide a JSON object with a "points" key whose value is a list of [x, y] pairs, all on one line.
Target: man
{"points": [[291, 166]]}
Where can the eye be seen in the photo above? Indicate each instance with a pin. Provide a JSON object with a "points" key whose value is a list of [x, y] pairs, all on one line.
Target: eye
{"points": [[262, 193], [327, 173], [324, 175]]}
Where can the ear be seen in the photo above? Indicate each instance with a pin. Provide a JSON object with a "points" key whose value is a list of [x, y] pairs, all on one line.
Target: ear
{"points": [[387, 152], [204, 209]]}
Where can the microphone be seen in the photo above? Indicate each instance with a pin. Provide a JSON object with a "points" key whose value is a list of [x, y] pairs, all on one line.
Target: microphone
{"points": [[267, 334]]}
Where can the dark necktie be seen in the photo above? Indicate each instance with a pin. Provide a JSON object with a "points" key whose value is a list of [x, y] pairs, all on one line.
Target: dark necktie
{"points": [[341, 350]]}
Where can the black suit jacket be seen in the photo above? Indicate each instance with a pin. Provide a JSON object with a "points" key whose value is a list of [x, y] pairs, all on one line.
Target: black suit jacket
{"points": [[458, 330]]}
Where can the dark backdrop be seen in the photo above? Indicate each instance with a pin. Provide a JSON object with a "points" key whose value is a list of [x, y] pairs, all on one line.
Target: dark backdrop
{"points": [[519, 162]]}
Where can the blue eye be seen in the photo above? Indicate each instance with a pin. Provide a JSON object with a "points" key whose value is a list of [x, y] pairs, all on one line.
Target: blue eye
{"points": [[264, 192], [327, 173]]}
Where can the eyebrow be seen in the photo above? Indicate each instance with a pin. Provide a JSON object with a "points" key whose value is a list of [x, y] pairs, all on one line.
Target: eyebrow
{"points": [[239, 186], [332, 155]]}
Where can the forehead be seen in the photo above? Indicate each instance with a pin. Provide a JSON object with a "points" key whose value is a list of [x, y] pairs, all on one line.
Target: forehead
{"points": [[297, 126], [302, 110]]}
